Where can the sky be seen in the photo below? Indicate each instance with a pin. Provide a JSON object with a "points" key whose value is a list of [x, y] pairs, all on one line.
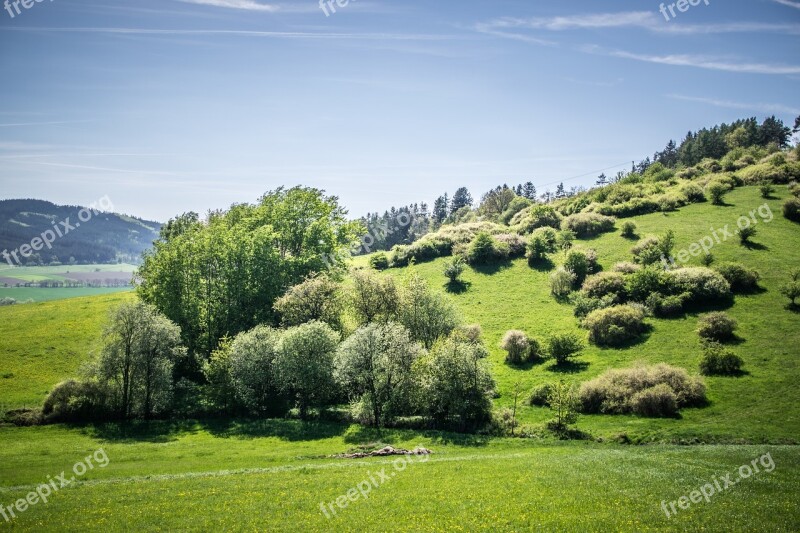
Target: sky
{"points": [[169, 106]]}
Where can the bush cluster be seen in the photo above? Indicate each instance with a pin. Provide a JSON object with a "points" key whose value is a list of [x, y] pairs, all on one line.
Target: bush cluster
{"points": [[719, 361], [588, 224], [717, 326], [739, 277], [615, 326], [641, 390], [485, 249]]}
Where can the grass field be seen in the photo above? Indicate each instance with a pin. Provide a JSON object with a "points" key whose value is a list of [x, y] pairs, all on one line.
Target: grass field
{"points": [[55, 273], [274, 475]]}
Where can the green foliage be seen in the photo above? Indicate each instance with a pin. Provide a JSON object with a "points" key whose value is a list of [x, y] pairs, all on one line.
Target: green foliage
{"points": [[373, 298], [539, 395], [220, 391], [455, 385], [716, 326], [656, 401], [515, 343], [717, 191], [454, 268], [374, 364], [77, 401], [766, 190], [577, 262], [379, 261], [719, 361], [561, 282], [564, 347], [588, 224], [693, 192], [617, 391], [792, 291], [700, 284], [646, 281], [606, 284], [740, 278], [427, 315], [536, 216], [140, 350], [628, 229], [563, 401], [252, 369], [304, 365], [485, 249], [791, 209], [317, 298], [614, 326], [746, 233], [222, 277], [648, 251], [517, 204]]}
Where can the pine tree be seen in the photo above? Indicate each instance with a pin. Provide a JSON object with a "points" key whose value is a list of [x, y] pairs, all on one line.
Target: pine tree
{"points": [[602, 180], [461, 198], [560, 192], [529, 191], [440, 207]]}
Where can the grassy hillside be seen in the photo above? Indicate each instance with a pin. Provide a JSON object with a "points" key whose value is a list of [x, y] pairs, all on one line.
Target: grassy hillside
{"points": [[43, 343], [760, 406]]}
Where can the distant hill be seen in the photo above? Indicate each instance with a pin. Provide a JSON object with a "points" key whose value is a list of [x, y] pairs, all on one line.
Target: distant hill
{"points": [[99, 238]]}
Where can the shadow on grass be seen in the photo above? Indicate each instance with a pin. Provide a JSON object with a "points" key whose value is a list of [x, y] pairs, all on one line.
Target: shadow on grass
{"points": [[132, 431], [492, 268], [570, 367], [361, 435], [794, 308], [542, 265], [755, 245], [527, 365], [457, 287]]}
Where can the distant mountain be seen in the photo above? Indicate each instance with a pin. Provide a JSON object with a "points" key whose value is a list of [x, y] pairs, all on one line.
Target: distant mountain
{"points": [[76, 234]]}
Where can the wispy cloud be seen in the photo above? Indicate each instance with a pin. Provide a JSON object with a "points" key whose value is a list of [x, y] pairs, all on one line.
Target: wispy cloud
{"points": [[644, 20], [697, 61], [53, 123], [247, 5], [789, 3], [762, 107]]}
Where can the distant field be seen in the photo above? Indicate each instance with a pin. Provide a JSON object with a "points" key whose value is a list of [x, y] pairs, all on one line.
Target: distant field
{"points": [[22, 294], [9, 277]]}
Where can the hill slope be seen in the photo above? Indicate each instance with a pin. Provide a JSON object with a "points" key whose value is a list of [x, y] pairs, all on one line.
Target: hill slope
{"points": [[87, 236]]}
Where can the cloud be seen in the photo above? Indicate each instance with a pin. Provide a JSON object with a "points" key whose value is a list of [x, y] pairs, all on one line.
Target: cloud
{"points": [[762, 107], [644, 20], [705, 62], [248, 5], [789, 3]]}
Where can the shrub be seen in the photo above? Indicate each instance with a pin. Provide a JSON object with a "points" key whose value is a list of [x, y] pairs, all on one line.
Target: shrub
{"points": [[316, 298], [563, 400], [379, 261], [453, 269], [717, 191], [647, 251], [656, 401], [577, 263], [592, 265], [537, 249], [645, 282], [472, 333], [707, 259], [561, 282], [746, 233], [665, 306], [614, 391], [535, 349], [588, 224], [791, 209], [585, 305], [606, 284], [740, 278], [486, 249], [515, 244], [427, 314], [766, 190], [539, 395], [626, 267], [699, 283], [7, 301], [792, 291], [614, 326], [693, 192], [515, 342], [536, 216], [719, 361], [564, 347], [77, 401], [628, 229], [717, 326], [252, 368]]}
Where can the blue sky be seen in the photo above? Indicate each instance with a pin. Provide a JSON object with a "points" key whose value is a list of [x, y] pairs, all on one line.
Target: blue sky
{"points": [[174, 105]]}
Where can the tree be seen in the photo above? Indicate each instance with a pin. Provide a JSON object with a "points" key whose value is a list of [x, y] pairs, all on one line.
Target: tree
{"points": [[374, 366], [717, 191], [373, 298], [219, 390], [427, 316], [136, 362], [316, 298], [602, 180], [440, 207], [560, 192], [564, 347], [796, 125], [222, 276], [252, 367], [563, 401], [453, 269], [515, 342], [304, 364], [529, 191], [773, 131], [495, 202], [461, 198], [455, 384]]}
